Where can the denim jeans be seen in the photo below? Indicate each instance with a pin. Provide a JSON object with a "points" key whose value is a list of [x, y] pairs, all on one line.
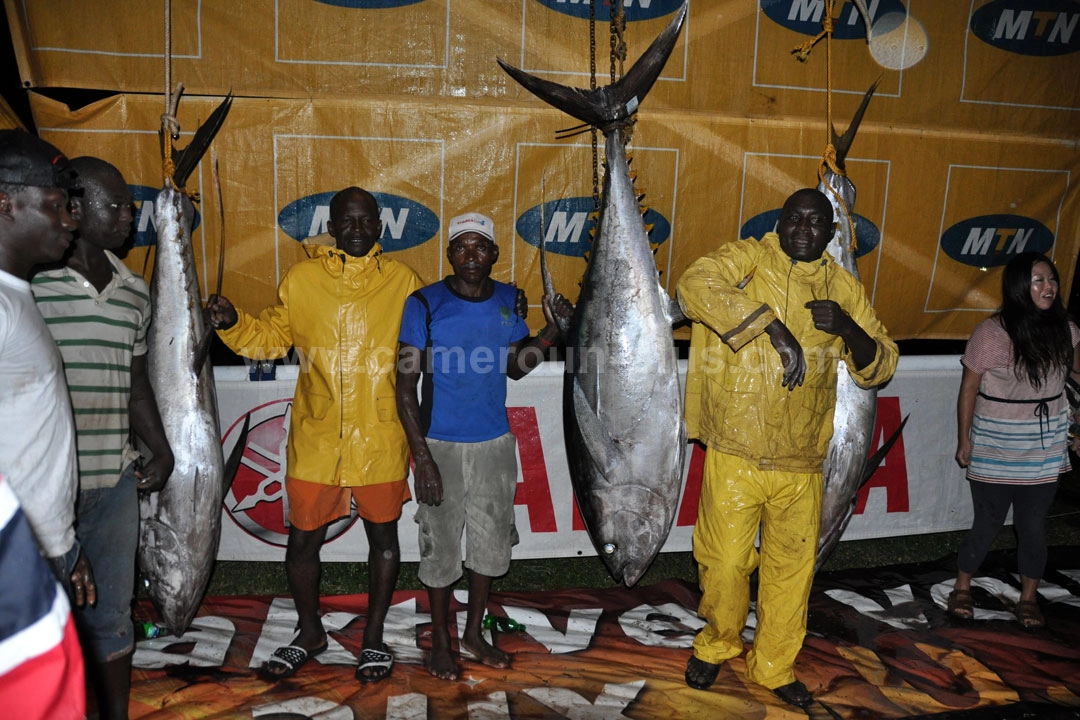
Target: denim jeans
{"points": [[108, 529]]}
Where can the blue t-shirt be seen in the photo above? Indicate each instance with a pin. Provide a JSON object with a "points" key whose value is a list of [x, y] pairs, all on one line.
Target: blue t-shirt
{"points": [[464, 394]]}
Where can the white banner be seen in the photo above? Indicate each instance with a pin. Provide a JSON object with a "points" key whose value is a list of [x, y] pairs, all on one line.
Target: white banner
{"points": [[917, 489]]}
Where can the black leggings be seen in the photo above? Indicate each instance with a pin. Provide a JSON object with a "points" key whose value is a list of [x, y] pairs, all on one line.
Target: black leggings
{"points": [[1030, 504]]}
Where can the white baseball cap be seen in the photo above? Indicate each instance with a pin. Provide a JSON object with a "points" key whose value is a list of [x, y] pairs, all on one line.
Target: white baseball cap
{"points": [[471, 222]]}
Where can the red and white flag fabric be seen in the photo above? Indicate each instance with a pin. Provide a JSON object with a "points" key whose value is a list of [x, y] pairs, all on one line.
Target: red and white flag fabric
{"points": [[41, 662]]}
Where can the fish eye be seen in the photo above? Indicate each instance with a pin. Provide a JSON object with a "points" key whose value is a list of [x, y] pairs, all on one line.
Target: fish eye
{"points": [[609, 548]]}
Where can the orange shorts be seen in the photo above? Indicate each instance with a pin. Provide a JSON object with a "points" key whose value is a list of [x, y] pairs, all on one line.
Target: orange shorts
{"points": [[312, 505]]}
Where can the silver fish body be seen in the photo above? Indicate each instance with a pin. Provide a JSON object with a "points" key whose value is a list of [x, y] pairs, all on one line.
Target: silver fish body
{"points": [[622, 403], [181, 525], [845, 468]]}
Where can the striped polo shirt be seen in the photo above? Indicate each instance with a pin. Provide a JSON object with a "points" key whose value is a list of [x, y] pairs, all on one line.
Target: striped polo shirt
{"points": [[98, 334]]}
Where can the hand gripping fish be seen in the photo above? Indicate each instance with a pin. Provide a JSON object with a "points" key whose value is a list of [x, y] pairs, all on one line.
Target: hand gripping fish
{"points": [[622, 403], [180, 526], [848, 464]]}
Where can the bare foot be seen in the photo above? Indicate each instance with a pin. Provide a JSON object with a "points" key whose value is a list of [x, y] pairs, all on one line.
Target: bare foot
{"points": [[440, 663], [486, 653]]}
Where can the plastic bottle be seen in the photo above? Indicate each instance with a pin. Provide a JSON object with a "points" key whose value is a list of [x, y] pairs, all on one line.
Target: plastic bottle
{"points": [[148, 630]]}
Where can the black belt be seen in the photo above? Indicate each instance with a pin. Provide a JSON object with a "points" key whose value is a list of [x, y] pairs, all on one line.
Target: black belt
{"points": [[1042, 409]]}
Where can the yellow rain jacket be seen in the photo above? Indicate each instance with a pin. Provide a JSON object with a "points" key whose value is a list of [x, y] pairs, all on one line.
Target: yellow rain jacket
{"points": [[735, 402], [342, 314]]}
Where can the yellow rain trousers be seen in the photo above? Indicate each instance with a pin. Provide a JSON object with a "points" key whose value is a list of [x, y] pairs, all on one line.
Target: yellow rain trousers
{"points": [[766, 444], [787, 507], [343, 316]]}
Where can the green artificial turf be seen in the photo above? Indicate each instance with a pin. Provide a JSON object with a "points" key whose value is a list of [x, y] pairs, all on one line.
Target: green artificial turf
{"points": [[268, 578]]}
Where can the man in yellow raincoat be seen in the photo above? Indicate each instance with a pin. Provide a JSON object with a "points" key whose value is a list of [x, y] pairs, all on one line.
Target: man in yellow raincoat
{"points": [[341, 310], [772, 318]]}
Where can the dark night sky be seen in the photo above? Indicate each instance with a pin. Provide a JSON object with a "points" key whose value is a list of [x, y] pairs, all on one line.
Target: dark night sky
{"points": [[10, 83]]}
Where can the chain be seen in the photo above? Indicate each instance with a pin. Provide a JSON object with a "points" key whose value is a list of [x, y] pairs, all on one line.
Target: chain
{"points": [[617, 41], [592, 86]]}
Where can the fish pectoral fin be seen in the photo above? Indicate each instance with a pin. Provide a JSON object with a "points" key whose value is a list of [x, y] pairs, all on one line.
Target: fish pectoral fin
{"points": [[202, 351], [674, 311], [232, 464], [602, 448], [874, 460]]}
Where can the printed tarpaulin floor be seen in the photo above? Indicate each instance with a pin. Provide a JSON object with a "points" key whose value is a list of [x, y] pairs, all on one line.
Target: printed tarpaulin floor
{"points": [[879, 645]]}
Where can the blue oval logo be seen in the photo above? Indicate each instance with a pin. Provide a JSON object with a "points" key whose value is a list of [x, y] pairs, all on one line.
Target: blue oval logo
{"points": [[567, 224], [635, 9], [805, 16], [145, 220], [1029, 27], [867, 236], [369, 4], [406, 223], [993, 240]]}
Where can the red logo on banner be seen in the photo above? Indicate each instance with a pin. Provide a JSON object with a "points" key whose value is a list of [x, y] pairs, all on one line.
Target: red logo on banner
{"points": [[533, 491], [891, 474], [692, 493], [256, 501]]}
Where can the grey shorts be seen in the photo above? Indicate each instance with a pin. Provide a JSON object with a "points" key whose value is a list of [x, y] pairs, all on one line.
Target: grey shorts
{"points": [[479, 482]]}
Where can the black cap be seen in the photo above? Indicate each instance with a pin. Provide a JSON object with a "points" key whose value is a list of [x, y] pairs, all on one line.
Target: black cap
{"points": [[26, 159]]}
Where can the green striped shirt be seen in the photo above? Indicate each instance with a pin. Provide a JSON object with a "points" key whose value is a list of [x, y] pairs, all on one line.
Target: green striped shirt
{"points": [[98, 335]]}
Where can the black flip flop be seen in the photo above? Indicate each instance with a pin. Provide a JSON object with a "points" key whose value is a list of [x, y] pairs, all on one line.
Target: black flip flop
{"points": [[374, 665], [704, 669], [292, 658]]}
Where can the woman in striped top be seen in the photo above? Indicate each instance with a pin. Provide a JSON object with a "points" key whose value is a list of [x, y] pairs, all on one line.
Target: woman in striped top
{"points": [[1012, 422]]}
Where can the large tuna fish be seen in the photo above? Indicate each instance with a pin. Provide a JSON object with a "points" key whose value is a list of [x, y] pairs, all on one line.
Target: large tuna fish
{"points": [[848, 464], [622, 403], [180, 525]]}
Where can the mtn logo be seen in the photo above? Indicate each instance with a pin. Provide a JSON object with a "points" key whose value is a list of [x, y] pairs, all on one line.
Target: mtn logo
{"points": [[567, 226], [369, 4], [805, 16], [1029, 27], [867, 236], [635, 9], [406, 223], [145, 221], [993, 240]]}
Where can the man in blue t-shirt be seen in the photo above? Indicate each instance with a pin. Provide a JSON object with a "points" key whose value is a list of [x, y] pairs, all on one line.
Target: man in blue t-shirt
{"points": [[464, 336]]}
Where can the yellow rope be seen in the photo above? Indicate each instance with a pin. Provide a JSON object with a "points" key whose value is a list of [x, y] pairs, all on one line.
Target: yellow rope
{"points": [[802, 51], [828, 157]]}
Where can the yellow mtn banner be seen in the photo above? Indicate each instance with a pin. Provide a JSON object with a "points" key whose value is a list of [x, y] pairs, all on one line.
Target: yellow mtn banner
{"points": [[963, 159]]}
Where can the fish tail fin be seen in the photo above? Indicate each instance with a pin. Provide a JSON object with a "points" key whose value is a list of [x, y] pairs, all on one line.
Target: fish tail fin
{"points": [[612, 105], [842, 143], [191, 155]]}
